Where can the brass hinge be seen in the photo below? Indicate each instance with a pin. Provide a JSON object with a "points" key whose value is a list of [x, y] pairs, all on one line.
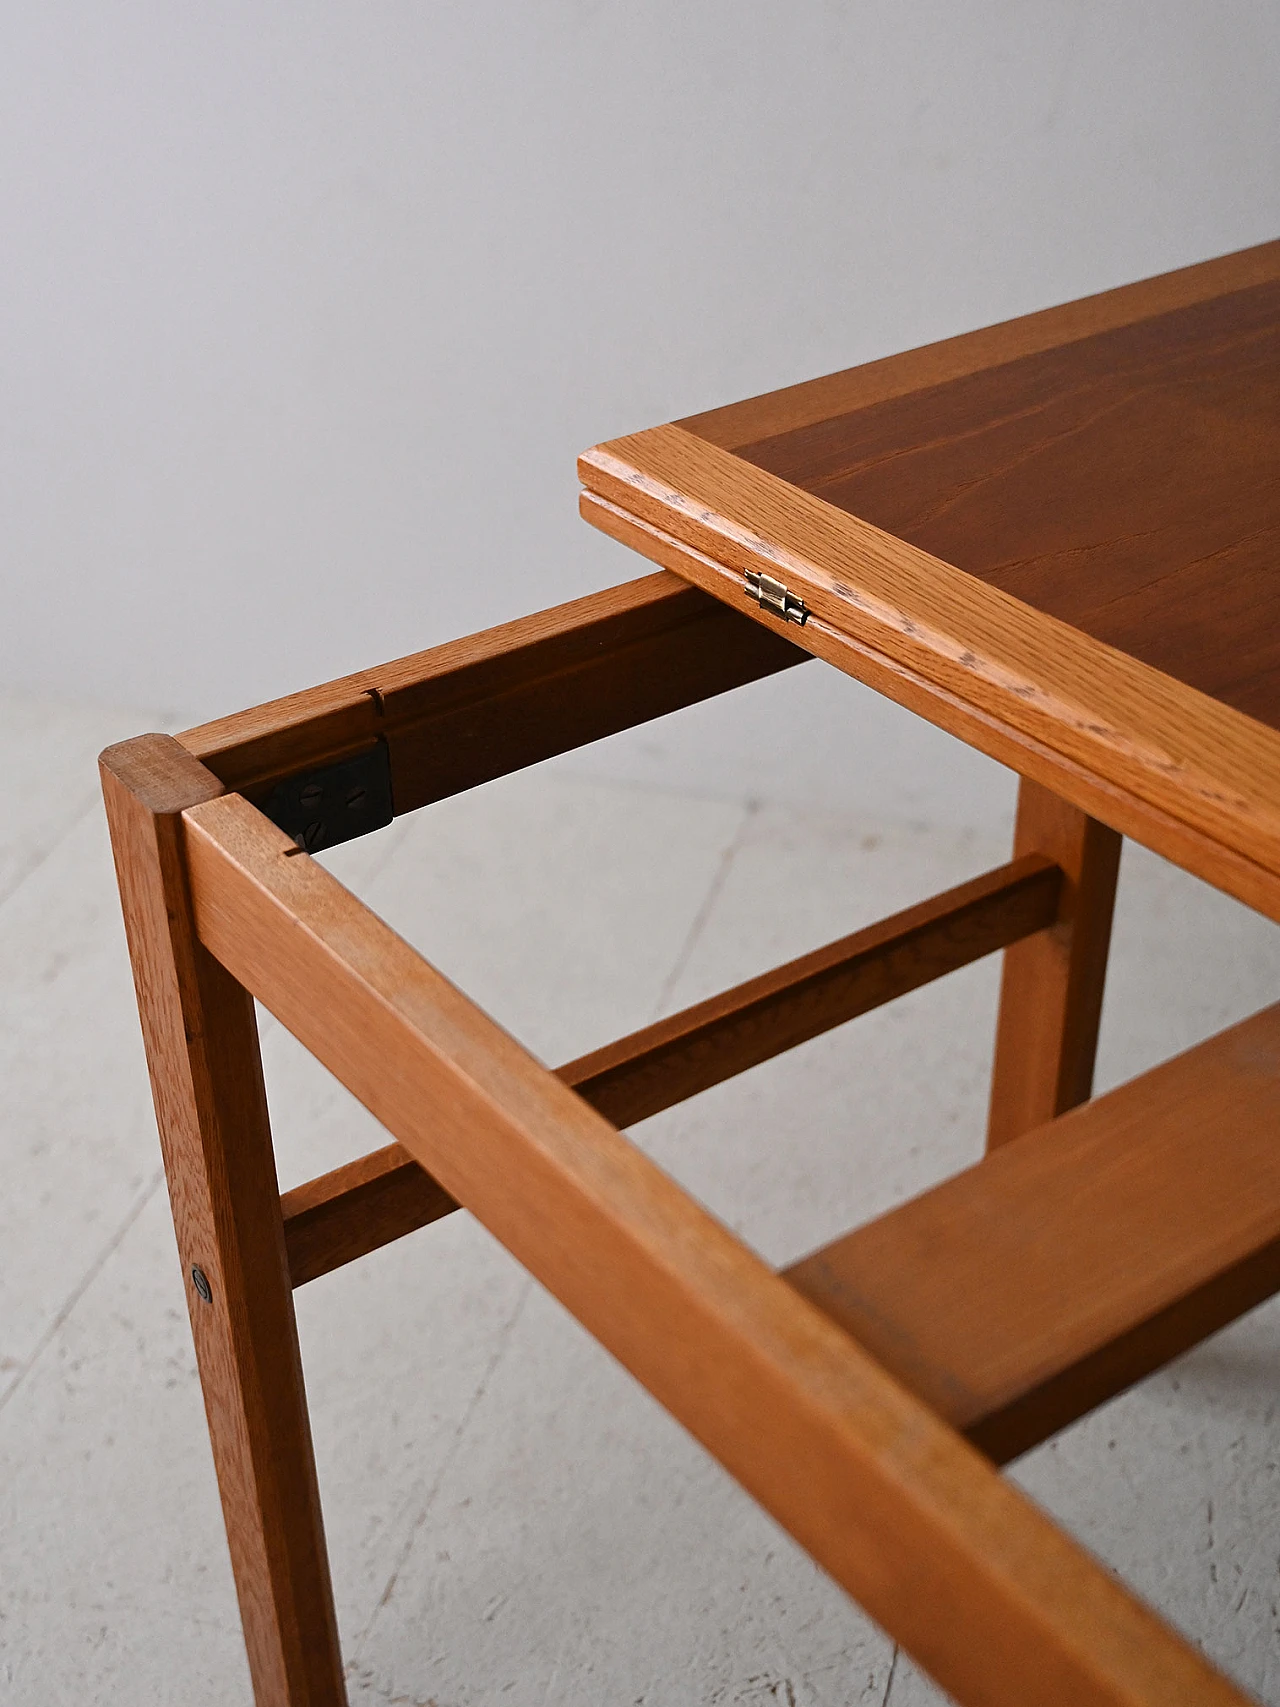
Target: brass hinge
{"points": [[772, 595]]}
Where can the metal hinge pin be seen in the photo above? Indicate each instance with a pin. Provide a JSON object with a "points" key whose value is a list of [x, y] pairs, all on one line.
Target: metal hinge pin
{"points": [[772, 595]]}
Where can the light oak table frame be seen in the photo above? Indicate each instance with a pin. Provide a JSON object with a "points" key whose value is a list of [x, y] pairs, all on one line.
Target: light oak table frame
{"points": [[867, 1395]]}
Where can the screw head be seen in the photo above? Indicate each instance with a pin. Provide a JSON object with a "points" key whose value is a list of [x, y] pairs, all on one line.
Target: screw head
{"points": [[311, 795], [200, 1280]]}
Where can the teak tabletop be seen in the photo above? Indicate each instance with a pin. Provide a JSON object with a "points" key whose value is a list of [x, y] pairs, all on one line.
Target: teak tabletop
{"points": [[1058, 538]]}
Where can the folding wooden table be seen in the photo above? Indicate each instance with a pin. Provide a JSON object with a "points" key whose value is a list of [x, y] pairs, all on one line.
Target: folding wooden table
{"points": [[1057, 539]]}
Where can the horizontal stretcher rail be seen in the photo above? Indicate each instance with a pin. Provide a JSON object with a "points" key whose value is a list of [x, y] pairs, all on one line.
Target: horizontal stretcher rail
{"points": [[382, 1196], [981, 1588], [466, 712]]}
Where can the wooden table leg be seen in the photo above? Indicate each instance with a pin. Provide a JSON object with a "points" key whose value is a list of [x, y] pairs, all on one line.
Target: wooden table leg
{"points": [[1051, 994], [206, 1075]]}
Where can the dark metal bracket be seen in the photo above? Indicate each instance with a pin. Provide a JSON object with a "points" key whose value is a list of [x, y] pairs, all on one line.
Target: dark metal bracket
{"points": [[321, 808]]}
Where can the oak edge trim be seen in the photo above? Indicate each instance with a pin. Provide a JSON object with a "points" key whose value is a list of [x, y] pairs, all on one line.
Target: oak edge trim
{"points": [[1002, 730]]}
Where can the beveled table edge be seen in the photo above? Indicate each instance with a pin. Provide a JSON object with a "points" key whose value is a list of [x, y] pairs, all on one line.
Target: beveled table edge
{"points": [[1195, 780]]}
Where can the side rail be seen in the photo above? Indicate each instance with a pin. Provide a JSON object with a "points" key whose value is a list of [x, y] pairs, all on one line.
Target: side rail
{"points": [[338, 760]]}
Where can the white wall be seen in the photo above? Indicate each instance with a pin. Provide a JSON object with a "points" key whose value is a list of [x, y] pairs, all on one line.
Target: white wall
{"points": [[308, 308]]}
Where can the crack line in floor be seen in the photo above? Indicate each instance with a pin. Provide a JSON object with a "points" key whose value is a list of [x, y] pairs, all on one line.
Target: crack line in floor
{"points": [[45, 854], [750, 811], [446, 1462], [893, 1671], [91, 1274]]}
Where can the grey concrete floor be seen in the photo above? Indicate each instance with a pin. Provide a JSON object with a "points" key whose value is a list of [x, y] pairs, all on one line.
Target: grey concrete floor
{"points": [[512, 1519]]}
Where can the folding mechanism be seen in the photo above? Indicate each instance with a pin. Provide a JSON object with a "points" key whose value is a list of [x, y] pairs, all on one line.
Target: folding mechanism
{"points": [[1082, 1252]]}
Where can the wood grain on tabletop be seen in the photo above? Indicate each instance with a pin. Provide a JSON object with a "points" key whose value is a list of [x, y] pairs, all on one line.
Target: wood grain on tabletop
{"points": [[773, 413], [1128, 482], [1052, 984], [206, 1075], [1016, 1296], [367, 1203], [981, 1588]]}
